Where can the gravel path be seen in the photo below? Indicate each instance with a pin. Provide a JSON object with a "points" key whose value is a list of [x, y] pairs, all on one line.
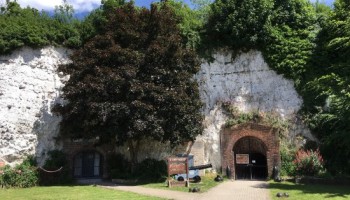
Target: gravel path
{"points": [[233, 190]]}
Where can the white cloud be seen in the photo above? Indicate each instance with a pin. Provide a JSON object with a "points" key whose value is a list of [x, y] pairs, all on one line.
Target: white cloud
{"points": [[79, 5]]}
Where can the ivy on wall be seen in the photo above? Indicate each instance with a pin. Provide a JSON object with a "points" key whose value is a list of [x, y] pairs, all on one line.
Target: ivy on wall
{"points": [[236, 117]]}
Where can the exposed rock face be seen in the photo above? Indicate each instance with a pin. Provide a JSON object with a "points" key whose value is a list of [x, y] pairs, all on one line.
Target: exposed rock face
{"points": [[249, 84], [29, 86]]}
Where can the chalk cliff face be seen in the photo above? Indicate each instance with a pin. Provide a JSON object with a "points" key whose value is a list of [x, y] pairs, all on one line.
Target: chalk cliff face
{"points": [[249, 84], [29, 86]]}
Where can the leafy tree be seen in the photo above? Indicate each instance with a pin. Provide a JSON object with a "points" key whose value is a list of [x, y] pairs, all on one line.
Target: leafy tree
{"points": [[94, 23], [133, 81], [322, 10], [64, 13], [190, 21], [284, 30], [289, 39], [237, 24], [202, 8], [329, 110]]}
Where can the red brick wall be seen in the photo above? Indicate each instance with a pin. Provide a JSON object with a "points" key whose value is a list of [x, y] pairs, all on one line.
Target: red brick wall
{"points": [[266, 134]]}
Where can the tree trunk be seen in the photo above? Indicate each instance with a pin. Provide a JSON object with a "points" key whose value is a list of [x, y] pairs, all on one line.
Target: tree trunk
{"points": [[134, 150]]}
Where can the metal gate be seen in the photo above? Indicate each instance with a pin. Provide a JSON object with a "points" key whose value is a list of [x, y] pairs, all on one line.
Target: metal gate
{"points": [[250, 159], [87, 165]]}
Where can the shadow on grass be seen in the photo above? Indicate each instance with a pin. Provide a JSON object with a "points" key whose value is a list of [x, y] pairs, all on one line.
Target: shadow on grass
{"points": [[329, 191]]}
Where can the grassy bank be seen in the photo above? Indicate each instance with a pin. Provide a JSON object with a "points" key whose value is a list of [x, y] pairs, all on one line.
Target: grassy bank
{"points": [[69, 193], [310, 191]]}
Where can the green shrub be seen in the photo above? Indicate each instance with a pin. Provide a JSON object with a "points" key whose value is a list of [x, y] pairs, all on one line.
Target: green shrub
{"points": [[118, 166], [308, 163], [151, 169], [288, 167], [118, 174], [56, 160], [147, 170], [23, 176]]}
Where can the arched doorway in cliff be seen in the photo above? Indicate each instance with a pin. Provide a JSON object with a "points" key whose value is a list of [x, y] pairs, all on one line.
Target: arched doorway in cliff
{"points": [[250, 158], [249, 151], [87, 164]]}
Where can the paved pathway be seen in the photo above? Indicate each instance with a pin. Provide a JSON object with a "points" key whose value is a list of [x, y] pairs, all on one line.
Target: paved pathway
{"points": [[233, 190], [239, 190]]}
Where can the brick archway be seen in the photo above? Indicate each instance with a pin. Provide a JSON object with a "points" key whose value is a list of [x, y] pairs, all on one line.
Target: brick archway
{"points": [[266, 134], [73, 148]]}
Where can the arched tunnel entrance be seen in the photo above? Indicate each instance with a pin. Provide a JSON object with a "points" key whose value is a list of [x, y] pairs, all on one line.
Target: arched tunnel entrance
{"points": [[88, 164], [250, 158], [249, 151]]}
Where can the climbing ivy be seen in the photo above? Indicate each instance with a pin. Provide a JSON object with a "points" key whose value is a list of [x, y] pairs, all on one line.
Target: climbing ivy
{"points": [[284, 31], [236, 117]]}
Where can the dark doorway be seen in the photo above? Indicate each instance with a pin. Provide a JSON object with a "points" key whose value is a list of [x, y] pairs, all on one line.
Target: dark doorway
{"points": [[87, 165], [250, 159]]}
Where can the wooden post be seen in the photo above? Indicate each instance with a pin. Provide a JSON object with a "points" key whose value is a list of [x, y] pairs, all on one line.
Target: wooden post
{"points": [[178, 165]]}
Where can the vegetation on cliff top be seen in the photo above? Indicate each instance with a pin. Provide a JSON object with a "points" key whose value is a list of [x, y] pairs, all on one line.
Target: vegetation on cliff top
{"points": [[29, 27]]}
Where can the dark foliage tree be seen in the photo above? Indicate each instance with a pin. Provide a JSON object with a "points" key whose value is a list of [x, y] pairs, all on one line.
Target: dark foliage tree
{"points": [[133, 81]]}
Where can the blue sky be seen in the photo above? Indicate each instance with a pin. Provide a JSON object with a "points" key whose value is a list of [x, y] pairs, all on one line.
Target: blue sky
{"points": [[146, 3], [79, 5], [88, 5]]}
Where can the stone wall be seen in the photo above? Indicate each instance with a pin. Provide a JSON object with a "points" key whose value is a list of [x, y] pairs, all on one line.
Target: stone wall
{"points": [[29, 86], [247, 82]]}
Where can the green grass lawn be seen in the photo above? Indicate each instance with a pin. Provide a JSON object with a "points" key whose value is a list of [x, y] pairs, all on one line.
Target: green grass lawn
{"points": [[69, 193], [310, 191], [206, 183]]}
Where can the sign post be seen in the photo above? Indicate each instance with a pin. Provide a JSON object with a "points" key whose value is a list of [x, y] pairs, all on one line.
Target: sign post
{"points": [[242, 158], [178, 165]]}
